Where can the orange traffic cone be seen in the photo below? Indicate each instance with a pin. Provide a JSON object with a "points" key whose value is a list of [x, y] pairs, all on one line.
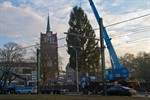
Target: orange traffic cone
{"points": [[146, 94]]}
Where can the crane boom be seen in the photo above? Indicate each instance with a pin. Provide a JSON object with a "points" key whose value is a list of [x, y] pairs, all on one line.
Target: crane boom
{"points": [[106, 38], [12, 73]]}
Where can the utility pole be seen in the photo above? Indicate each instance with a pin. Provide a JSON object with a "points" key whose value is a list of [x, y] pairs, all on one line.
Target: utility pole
{"points": [[102, 55], [77, 70], [38, 64]]}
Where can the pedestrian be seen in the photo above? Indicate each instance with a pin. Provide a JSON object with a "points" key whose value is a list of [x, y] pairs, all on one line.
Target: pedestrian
{"points": [[146, 94], [88, 86]]}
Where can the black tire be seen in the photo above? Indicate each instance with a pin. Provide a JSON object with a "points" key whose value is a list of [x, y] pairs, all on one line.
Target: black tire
{"points": [[121, 94], [85, 91], [53, 92], [43, 92], [94, 91], [58, 92], [48, 92], [130, 94], [18, 92], [29, 92]]}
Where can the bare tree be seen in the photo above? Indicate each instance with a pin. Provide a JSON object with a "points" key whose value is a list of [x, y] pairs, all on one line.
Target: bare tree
{"points": [[60, 63], [45, 68], [33, 56], [10, 55]]}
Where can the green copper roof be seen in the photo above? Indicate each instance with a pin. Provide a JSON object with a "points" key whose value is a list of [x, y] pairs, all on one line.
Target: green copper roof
{"points": [[48, 24]]}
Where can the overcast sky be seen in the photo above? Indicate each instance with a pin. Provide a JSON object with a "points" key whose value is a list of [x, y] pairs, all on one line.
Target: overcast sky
{"points": [[21, 21]]}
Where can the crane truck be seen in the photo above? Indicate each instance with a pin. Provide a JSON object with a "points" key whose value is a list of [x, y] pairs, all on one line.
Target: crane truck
{"points": [[116, 72], [6, 89]]}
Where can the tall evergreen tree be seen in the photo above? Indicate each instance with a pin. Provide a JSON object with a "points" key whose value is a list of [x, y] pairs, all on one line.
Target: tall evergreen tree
{"points": [[81, 38]]}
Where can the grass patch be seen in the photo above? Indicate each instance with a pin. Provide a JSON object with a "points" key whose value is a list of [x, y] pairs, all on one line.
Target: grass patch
{"points": [[66, 97]]}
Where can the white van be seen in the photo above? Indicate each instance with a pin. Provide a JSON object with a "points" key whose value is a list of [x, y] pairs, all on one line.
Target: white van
{"points": [[26, 90]]}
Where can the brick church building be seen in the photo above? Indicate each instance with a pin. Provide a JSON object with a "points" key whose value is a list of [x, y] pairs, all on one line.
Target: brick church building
{"points": [[49, 55]]}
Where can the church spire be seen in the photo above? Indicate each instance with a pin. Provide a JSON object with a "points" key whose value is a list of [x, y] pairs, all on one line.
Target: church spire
{"points": [[48, 25]]}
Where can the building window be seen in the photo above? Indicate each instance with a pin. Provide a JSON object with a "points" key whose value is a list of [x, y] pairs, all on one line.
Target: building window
{"points": [[49, 41], [45, 40], [26, 71]]}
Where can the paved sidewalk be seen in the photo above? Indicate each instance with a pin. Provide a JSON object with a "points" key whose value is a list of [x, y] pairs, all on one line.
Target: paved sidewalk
{"points": [[141, 95]]}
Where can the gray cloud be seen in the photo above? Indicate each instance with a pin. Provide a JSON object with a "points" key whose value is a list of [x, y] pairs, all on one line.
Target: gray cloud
{"points": [[25, 21], [20, 23]]}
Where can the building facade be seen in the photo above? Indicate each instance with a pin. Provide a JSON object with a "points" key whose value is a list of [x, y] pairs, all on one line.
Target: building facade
{"points": [[70, 75], [19, 72], [48, 55]]}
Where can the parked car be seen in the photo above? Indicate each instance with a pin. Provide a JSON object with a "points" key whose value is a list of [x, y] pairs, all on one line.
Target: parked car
{"points": [[26, 90], [120, 90]]}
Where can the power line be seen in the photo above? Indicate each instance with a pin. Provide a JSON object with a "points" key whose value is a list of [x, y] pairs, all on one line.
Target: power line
{"points": [[60, 8], [25, 47], [134, 41], [141, 29], [138, 28], [128, 12], [30, 46], [82, 36], [137, 32], [62, 46], [112, 25], [61, 38], [125, 21], [127, 43], [133, 32], [138, 39]]}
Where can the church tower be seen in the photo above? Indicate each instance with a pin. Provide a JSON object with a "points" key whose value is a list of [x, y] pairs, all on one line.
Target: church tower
{"points": [[49, 55]]}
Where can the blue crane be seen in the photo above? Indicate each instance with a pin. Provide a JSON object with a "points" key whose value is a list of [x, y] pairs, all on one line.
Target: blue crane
{"points": [[7, 72], [5, 89], [117, 71]]}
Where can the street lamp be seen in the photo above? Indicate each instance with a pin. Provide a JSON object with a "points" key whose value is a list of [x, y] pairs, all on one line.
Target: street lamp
{"points": [[77, 75]]}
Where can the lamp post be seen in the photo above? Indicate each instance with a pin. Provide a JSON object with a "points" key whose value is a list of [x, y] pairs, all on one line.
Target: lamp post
{"points": [[77, 75]]}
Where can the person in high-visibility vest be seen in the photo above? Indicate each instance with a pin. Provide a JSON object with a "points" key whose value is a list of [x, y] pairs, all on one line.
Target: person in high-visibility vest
{"points": [[146, 93], [35, 87]]}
